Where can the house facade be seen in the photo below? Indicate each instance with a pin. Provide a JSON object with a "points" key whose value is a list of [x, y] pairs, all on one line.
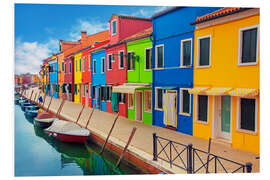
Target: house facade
{"points": [[61, 72], [68, 89], [53, 77], [172, 65], [78, 77], [227, 105], [121, 27]]}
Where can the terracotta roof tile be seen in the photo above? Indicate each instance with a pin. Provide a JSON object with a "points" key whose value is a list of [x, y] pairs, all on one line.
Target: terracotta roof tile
{"points": [[219, 13]]}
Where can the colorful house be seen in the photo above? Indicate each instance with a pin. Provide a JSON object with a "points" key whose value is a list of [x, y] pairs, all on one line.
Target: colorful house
{"points": [[53, 75], [68, 90], [172, 65], [61, 70], [121, 27], [78, 77], [139, 76], [227, 78]]}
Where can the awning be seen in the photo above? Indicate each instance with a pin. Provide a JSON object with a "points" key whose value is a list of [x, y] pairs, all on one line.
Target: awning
{"points": [[169, 87], [217, 91], [127, 88], [197, 90], [244, 92]]}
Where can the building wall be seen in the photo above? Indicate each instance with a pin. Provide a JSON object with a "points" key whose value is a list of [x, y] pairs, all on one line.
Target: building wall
{"points": [[69, 77], [86, 74], [53, 79], [225, 72], [77, 77], [61, 74]]}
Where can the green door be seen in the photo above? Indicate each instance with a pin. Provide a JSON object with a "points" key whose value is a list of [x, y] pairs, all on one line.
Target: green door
{"points": [[226, 114]]}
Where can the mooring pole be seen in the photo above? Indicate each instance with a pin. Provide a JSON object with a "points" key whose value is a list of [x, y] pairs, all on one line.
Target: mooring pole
{"points": [[34, 97], [44, 100], [49, 104], [60, 108], [90, 116], [104, 145], [31, 95], [80, 114], [38, 96], [125, 149], [209, 147]]}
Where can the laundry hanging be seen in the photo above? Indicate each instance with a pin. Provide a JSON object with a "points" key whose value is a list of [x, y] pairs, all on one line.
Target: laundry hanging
{"points": [[169, 108]]}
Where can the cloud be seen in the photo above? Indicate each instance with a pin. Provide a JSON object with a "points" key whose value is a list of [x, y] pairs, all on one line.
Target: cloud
{"points": [[143, 12], [92, 26], [29, 55]]}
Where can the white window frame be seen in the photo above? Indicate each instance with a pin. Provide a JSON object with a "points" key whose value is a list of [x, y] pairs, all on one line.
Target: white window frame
{"points": [[131, 107], [151, 59], [115, 27], [90, 90], [89, 62], [133, 64], [181, 102], [70, 66], [119, 60], [94, 66], [182, 57], [104, 93], [197, 110], [110, 91], [240, 48], [83, 68], [156, 99], [156, 56], [151, 101], [238, 120], [108, 62], [198, 51], [103, 62], [84, 90]]}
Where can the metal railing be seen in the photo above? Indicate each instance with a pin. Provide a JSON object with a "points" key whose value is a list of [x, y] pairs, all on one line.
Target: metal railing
{"points": [[194, 160]]}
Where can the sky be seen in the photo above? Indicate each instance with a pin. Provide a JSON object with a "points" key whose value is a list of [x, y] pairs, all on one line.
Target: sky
{"points": [[39, 27]]}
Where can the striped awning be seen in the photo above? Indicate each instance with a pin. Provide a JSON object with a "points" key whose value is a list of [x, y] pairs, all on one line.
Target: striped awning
{"points": [[217, 91], [197, 90], [244, 92], [125, 88]]}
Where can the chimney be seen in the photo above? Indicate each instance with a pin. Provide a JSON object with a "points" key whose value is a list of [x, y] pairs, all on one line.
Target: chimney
{"points": [[83, 36]]}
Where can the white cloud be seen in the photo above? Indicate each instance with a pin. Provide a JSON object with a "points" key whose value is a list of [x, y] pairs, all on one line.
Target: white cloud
{"points": [[148, 12], [29, 55], [92, 27]]}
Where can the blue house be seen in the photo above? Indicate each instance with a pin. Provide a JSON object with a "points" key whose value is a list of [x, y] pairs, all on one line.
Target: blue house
{"points": [[99, 79], [53, 82], [172, 64]]}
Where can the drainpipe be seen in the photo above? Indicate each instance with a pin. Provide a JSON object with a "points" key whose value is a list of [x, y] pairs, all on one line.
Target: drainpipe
{"points": [[153, 39]]}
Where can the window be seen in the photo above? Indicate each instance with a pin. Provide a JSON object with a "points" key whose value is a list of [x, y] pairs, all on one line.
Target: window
{"points": [[76, 66], [83, 64], [148, 101], [89, 63], [202, 108], [80, 64], [94, 66], [121, 59], [109, 62], [130, 61], [247, 114], [102, 65], [130, 101], [109, 91], [83, 90], [114, 27], [63, 67], [160, 56], [69, 67], [93, 92], [248, 39], [102, 93], [148, 58], [159, 98], [203, 51], [121, 97], [186, 52], [185, 102], [90, 90]]}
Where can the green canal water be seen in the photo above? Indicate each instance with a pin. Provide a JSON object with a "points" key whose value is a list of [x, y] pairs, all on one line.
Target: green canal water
{"points": [[36, 154]]}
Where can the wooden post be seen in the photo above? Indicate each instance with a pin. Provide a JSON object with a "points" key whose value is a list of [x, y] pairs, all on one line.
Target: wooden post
{"points": [[209, 147], [104, 145], [125, 149], [60, 108], [38, 96], [80, 114], [34, 97], [49, 104], [44, 100], [31, 95], [90, 116]]}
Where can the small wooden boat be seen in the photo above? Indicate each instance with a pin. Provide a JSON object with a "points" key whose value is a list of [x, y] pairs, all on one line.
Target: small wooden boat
{"points": [[31, 113], [34, 107], [44, 120], [67, 131], [26, 105]]}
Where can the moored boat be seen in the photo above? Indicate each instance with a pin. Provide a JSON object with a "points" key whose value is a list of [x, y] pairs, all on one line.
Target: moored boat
{"points": [[31, 113], [26, 105], [67, 131], [44, 120]]}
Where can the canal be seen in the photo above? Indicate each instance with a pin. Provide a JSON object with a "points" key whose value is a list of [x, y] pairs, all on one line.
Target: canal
{"points": [[37, 154]]}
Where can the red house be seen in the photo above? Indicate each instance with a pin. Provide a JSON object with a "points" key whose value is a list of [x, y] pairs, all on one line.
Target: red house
{"points": [[68, 78], [87, 71], [120, 28]]}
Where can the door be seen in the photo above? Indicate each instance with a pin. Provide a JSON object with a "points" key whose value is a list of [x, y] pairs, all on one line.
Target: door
{"points": [[86, 95], [138, 106], [99, 98], [170, 108]]}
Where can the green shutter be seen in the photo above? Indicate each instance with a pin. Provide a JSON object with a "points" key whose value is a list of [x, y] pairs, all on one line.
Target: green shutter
{"points": [[63, 66], [80, 64]]}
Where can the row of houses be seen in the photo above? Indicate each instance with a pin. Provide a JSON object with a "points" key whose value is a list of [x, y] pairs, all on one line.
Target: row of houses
{"points": [[26, 79], [190, 69]]}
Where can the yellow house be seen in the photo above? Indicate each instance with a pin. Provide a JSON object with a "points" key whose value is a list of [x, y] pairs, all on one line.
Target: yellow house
{"points": [[227, 78], [77, 77]]}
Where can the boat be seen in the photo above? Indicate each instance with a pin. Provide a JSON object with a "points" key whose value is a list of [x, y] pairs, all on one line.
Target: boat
{"points": [[34, 107], [31, 113], [67, 131], [44, 120], [26, 105]]}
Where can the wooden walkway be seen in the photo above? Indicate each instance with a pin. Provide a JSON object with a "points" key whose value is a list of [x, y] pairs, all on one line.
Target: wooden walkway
{"points": [[142, 142]]}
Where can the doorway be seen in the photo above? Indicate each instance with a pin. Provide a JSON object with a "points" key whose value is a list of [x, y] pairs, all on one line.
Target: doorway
{"points": [[170, 109], [138, 105], [86, 95], [223, 117]]}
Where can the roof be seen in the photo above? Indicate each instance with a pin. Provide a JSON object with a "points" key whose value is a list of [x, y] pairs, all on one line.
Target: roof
{"points": [[92, 47], [131, 17], [219, 13], [168, 10], [142, 34]]}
